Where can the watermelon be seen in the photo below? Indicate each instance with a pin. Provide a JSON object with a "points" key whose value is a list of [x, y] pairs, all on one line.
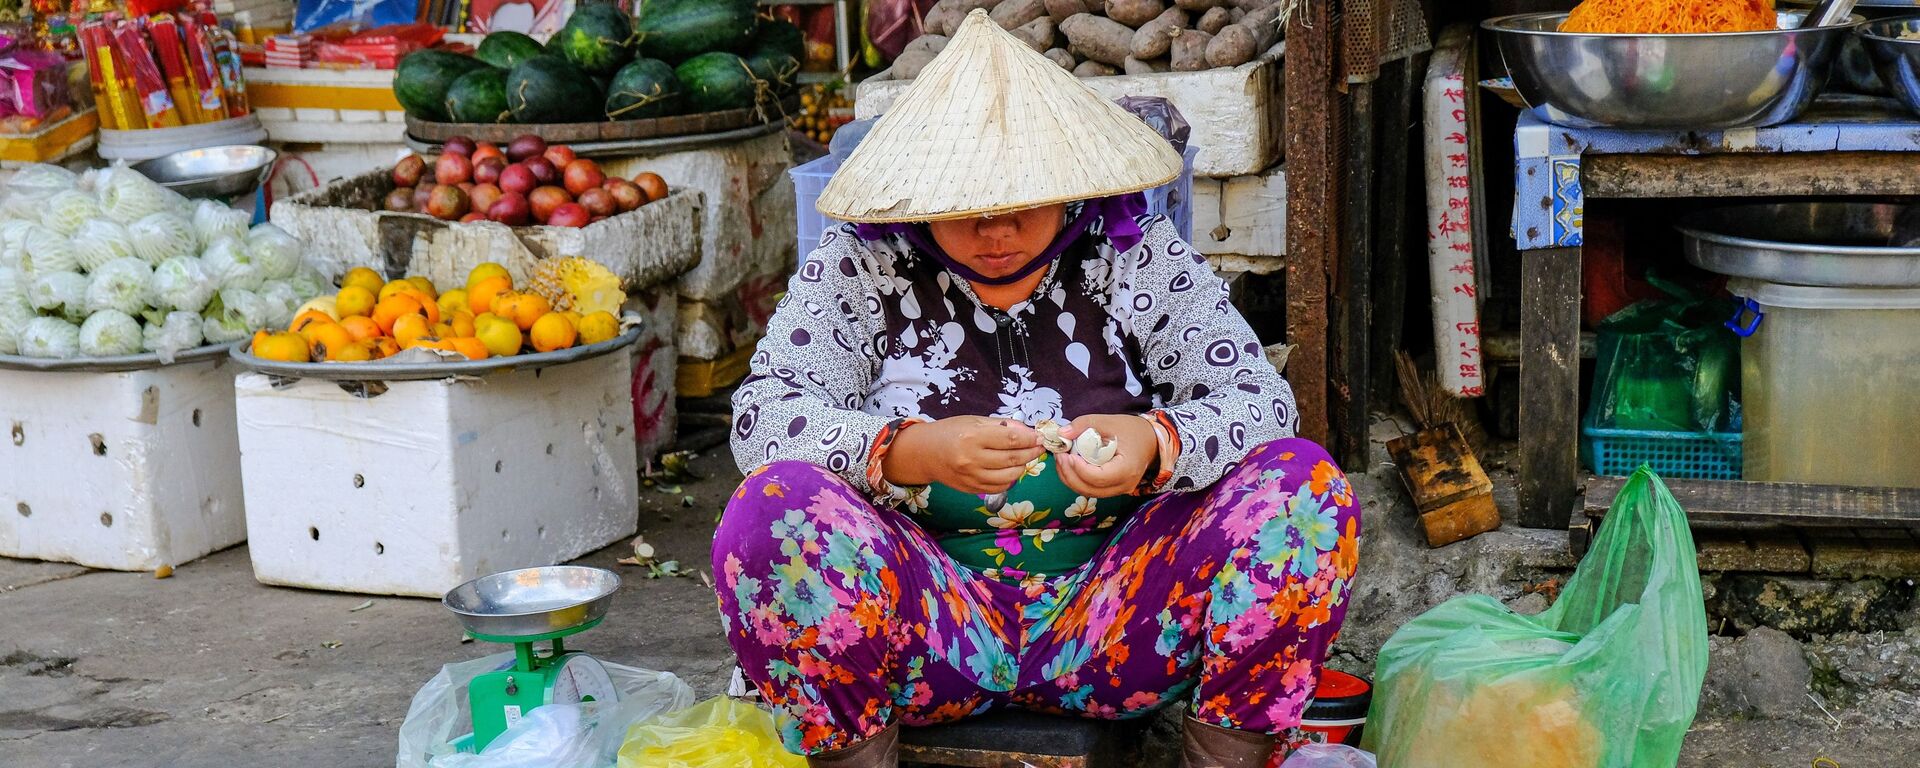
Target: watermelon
{"points": [[677, 30], [506, 49], [598, 39], [781, 35], [774, 67], [548, 89], [421, 80], [717, 81], [645, 88], [479, 96]]}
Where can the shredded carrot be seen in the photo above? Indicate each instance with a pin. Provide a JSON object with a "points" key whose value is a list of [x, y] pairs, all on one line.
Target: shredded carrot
{"points": [[1641, 17]]}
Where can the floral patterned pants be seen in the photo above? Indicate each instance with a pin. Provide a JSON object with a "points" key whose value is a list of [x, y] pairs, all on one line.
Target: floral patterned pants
{"points": [[849, 617]]}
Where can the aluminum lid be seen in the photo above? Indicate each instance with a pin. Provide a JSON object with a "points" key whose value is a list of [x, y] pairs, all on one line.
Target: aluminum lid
{"points": [[1786, 296]]}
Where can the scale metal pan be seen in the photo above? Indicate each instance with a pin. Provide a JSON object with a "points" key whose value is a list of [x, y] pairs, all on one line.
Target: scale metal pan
{"points": [[533, 603]]}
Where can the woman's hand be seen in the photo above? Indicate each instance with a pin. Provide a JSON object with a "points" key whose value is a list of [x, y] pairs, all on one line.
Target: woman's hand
{"points": [[1138, 447], [970, 454]]}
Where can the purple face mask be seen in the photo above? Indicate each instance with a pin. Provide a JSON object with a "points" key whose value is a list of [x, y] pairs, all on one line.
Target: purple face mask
{"points": [[1108, 217]]}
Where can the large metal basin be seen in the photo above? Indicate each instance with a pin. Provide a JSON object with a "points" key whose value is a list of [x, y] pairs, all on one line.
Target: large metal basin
{"points": [[1826, 244], [1706, 81]]}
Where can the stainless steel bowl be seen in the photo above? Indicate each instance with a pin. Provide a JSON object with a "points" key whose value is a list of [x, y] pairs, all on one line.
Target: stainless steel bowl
{"points": [[1829, 244], [1896, 60], [1705, 81], [222, 172], [533, 601]]}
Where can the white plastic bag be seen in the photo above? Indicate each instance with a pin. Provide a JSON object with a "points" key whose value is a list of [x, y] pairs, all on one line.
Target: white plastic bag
{"points": [[570, 736], [1329, 756]]}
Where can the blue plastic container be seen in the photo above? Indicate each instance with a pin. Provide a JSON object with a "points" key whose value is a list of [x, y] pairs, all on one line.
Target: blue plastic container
{"points": [[1684, 455], [1175, 199]]}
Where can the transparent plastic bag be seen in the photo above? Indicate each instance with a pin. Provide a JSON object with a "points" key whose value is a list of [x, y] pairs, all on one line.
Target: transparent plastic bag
{"points": [[717, 733], [438, 715], [1162, 115], [1328, 756], [1609, 677], [1668, 365]]}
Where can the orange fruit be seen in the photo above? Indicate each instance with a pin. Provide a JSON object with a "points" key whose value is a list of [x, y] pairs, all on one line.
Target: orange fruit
{"points": [[386, 347], [397, 287], [327, 340], [357, 352], [484, 271], [462, 322], [364, 278], [443, 330], [425, 285], [354, 300], [453, 301], [309, 316], [480, 295], [285, 347], [362, 328], [501, 337], [391, 308], [258, 336], [598, 327], [528, 309], [552, 331], [407, 328], [473, 348]]}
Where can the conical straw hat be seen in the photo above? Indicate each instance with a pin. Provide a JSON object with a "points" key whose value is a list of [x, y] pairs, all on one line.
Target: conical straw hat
{"points": [[989, 126]]}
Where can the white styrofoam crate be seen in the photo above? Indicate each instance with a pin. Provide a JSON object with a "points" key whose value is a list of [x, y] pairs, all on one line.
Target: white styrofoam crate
{"points": [[1244, 215], [126, 471], [432, 483]]}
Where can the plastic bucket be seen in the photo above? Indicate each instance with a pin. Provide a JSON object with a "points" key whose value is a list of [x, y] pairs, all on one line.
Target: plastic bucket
{"points": [[1338, 711]]}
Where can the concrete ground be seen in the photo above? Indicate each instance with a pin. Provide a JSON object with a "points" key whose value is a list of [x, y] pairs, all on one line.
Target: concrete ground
{"points": [[209, 668]]}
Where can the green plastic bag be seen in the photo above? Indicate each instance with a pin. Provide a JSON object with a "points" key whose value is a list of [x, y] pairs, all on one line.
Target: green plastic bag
{"points": [[717, 733], [1668, 365], [1609, 677]]}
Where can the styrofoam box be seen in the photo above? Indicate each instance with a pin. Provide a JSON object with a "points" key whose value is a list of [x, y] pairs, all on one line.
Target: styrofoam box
{"points": [[1243, 216], [1235, 113], [429, 484], [126, 471]]}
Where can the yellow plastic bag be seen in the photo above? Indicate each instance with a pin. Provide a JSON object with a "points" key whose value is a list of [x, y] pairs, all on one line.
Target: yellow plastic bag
{"points": [[717, 733]]}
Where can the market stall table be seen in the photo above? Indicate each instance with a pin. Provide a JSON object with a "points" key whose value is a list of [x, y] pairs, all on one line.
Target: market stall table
{"points": [[1843, 146]]}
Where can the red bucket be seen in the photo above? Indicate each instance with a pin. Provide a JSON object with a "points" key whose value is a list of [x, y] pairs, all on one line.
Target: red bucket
{"points": [[1339, 708]]}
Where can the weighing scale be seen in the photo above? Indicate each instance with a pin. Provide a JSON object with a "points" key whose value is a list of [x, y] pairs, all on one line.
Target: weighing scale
{"points": [[523, 608]]}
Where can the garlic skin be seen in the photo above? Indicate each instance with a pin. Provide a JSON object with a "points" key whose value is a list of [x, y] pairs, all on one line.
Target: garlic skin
{"points": [[1090, 445]]}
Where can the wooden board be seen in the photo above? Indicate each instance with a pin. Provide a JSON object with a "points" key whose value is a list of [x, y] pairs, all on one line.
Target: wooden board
{"points": [[1751, 174], [1549, 385], [1787, 505], [1439, 467], [1018, 739], [605, 130]]}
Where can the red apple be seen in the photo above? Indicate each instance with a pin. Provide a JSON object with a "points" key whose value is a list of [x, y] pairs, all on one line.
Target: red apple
{"points": [[569, 215], [598, 202], [545, 199], [559, 155], [524, 147], [408, 171], [488, 171], [484, 196], [458, 145], [465, 186], [653, 185], [542, 170], [447, 203], [400, 199], [511, 209], [473, 216], [421, 193], [518, 178], [626, 195], [581, 175], [453, 169]]}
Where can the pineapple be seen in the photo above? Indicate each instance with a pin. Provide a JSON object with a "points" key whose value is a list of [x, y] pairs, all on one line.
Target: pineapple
{"points": [[577, 285]]}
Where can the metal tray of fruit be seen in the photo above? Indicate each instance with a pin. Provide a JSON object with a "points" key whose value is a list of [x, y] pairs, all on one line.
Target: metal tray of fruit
{"points": [[631, 147], [386, 371], [692, 126], [116, 363]]}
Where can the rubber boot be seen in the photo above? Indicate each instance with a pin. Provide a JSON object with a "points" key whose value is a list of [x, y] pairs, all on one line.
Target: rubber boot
{"points": [[1211, 746], [881, 750]]}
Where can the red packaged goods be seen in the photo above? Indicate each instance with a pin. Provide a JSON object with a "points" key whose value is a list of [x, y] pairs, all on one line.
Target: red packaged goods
{"points": [[149, 86], [380, 47], [204, 67]]}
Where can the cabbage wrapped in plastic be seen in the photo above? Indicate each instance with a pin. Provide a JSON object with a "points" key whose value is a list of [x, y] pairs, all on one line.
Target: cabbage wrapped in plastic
{"points": [[284, 300], [171, 334], [108, 333], [119, 285], [44, 251], [233, 315], [161, 236], [101, 240], [128, 196], [9, 341], [15, 310], [59, 293], [13, 235], [12, 282], [43, 177], [230, 264], [308, 283], [211, 220], [275, 253], [66, 211], [182, 284], [49, 337]]}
